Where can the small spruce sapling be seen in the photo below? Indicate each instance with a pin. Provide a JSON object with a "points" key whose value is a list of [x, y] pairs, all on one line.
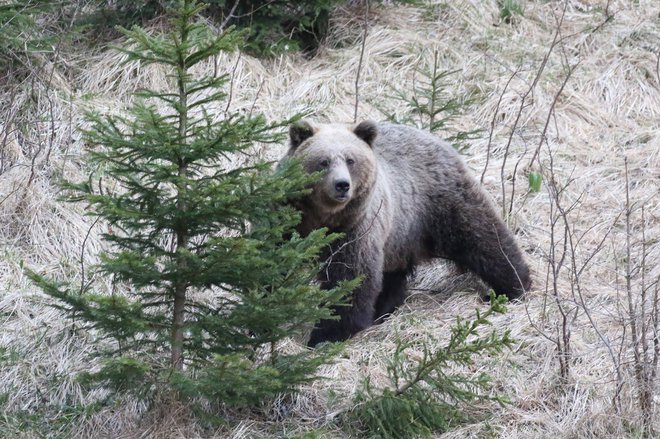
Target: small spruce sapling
{"points": [[423, 396], [430, 106], [208, 274]]}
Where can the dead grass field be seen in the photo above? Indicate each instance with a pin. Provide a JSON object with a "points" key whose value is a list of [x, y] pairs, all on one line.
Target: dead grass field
{"points": [[606, 114]]}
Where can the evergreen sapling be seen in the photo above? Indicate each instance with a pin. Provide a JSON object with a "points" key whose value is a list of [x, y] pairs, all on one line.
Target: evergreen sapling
{"points": [[425, 395], [429, 105], [208, 274]]}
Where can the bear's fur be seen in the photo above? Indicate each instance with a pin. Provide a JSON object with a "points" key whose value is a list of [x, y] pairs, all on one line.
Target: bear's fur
{"points": [[400, 196]]}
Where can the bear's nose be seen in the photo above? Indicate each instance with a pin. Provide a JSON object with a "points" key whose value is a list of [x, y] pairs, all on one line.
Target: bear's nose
{"points": [[342, 186]]}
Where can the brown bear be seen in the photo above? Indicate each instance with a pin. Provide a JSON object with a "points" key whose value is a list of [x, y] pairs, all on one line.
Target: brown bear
{"points": [[399, 196]]}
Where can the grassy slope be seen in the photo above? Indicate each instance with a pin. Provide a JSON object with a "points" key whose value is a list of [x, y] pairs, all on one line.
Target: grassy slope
{"points": [[609, 110]]}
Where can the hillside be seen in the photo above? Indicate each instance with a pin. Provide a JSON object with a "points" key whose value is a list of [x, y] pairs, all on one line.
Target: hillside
{"points": [[568, 90]]}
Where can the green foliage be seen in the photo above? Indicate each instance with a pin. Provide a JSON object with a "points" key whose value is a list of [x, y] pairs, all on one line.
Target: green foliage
{"points": [[44, 417], [8, 355], [106, 14], [20, 36], [273, 26], [509, 9], [279, 26], [208, 273], [49, 421], [535, 179], [423, 396], [431, 106]]}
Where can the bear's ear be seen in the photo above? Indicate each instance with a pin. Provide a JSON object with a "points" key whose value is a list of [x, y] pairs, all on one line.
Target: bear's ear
{"points": [[366, 131], [299, 132]]}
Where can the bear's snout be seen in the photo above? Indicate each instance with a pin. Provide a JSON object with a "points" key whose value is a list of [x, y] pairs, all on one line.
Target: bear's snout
{"points": [[342, 186]]}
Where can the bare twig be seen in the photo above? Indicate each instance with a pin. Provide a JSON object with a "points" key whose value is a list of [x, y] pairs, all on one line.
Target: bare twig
{"points": [[642, 318], [492, 123], [229, 16], [230, 95], [562, 255], [6, 129], [359, 68], [513, 179], [628, 278], [256, 97], [551, 111], [523, 104]]}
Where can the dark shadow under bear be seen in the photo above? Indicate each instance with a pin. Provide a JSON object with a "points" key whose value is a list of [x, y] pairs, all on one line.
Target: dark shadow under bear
{"points": [[400, 196]]}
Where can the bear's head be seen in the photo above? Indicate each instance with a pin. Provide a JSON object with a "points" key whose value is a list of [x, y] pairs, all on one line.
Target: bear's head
{"points": [[343, 154]]}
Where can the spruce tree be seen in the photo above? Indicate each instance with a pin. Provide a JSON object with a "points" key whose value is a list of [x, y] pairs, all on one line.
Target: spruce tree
{"points": [[426, 393], [208, 273]]}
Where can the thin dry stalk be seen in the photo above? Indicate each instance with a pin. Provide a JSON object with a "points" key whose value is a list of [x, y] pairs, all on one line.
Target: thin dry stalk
{"points": [[6, 132], [523, 105], [492, 124], [643, 321], [551, 112], [359, 67], [229, 16], [569, 242], [557, 254]]}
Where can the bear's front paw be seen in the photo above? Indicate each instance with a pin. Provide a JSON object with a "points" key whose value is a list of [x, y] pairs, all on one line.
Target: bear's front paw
{"points": [[327, 334]]}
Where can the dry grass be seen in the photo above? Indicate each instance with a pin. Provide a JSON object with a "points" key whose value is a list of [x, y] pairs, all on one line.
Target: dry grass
{"points": [[608, 111]]}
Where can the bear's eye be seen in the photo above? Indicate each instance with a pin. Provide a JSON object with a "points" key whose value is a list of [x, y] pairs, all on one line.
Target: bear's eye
{"points": [[324, 164], [350, 162]]}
